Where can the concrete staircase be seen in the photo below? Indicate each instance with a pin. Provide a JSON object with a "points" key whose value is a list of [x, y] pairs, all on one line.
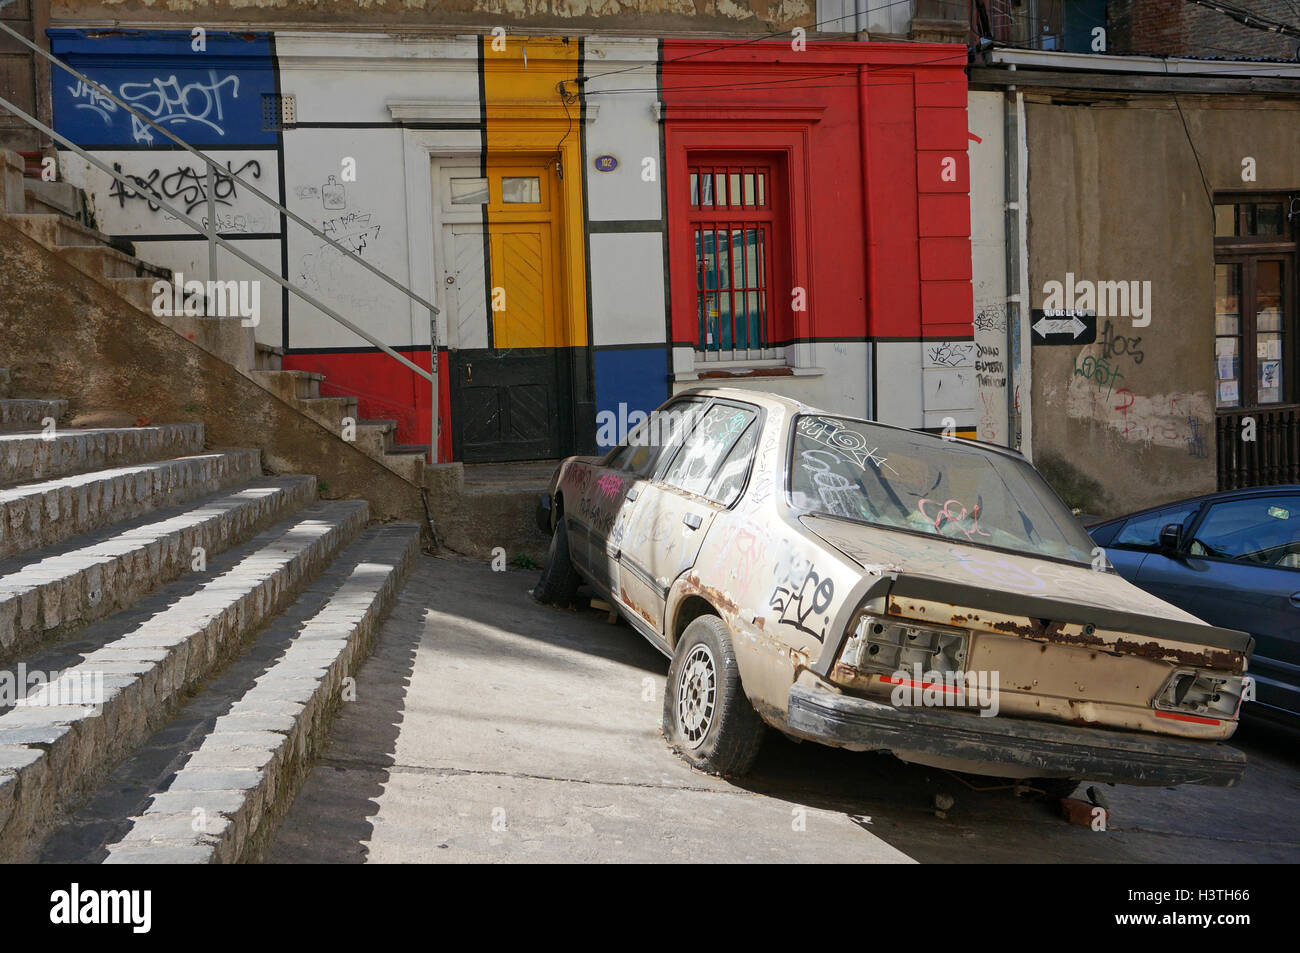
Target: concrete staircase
{"points": [[55, 215], [176, 631], [376, 438]]}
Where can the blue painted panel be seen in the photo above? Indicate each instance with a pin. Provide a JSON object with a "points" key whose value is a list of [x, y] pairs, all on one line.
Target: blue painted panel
{"points": [[628, 381], [208, 98]]}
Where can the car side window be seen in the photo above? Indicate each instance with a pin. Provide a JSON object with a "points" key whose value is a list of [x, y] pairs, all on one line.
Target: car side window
{"points": [[734, 469], [1144, 531], [706, 446], [648, 440], [1263, 531]]}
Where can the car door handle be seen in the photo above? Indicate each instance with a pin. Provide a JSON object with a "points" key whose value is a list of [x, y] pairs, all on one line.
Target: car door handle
{"points": [[692, 520], [1295, 599]]}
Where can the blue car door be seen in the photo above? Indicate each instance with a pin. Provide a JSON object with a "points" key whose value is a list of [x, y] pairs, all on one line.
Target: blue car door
{"points": [[1135, 554], [1242, 563]]}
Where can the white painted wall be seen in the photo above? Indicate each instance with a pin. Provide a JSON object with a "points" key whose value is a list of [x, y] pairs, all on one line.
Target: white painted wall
{"points": [[180, 180], [368, 216], [988, 251], [627, 288], [625, 127], [838, 383]]}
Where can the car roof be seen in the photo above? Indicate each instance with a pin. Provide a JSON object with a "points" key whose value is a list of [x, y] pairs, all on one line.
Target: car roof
{"points": [[1242, 493], [770, 400]]}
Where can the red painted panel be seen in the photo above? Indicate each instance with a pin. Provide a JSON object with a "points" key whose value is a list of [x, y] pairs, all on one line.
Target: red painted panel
{"points": [[945, 128], [858, 205], [944, 215], [946, 308], [944, 259], [931, 169], [938, 87], [383, 388], [895, 259]]}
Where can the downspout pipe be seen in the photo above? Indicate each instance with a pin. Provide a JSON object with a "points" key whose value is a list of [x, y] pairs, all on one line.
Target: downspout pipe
{"points": [[867, 236]]}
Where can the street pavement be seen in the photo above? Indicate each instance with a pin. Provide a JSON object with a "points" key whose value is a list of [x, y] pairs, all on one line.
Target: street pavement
{"points": [[487, 728]]}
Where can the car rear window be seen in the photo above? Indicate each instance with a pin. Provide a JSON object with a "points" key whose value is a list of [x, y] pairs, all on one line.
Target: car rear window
{"points": [[900, 479]]}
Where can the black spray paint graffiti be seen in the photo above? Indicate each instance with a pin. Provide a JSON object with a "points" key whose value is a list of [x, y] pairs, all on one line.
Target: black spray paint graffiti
{"points": [[991, 319], [950, 354], [352, 230], [1114, 345], [990, 371], [807, 602], [185, 186]]}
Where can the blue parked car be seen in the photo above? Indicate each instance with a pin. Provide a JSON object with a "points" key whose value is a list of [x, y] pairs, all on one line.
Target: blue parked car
{"points": [[1232, 559]]}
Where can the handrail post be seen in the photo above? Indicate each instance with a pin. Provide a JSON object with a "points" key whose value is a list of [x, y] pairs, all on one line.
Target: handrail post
{"points": [[212, 226]]}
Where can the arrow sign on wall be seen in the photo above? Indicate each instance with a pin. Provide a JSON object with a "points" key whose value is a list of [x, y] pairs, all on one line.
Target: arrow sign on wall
{"points": [[1064, 327]]}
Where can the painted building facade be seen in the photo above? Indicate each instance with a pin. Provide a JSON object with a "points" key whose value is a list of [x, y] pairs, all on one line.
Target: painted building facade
{"points": [[602, 221], [1156, 201]]}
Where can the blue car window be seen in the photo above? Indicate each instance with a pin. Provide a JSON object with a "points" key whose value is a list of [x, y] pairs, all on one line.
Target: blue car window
{"points": [[1263, 531], [1145, 530]]}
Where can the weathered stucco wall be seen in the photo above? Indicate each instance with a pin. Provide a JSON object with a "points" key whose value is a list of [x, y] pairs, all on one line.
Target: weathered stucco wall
{"points": [[723, 16], [1115, 195]]}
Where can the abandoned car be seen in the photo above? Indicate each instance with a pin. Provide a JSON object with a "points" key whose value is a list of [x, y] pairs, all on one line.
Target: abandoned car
{"points": [[876, 588]]}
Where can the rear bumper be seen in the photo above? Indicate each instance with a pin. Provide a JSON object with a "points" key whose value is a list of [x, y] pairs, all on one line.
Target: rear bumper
{"points": [[1049, 749]]}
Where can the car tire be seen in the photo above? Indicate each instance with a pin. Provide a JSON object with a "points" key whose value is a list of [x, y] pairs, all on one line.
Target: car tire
{"points": [[560, 581], [708, 720]]}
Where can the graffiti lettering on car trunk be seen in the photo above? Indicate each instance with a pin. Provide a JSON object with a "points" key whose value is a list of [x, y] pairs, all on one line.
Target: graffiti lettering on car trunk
{"points": [[804, 606]]}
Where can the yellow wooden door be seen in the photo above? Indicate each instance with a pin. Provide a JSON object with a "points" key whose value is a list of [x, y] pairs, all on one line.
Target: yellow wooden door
{"points": [[527, 306]]}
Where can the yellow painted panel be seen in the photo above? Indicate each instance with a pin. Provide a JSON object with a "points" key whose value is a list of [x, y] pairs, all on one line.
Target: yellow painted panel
{"points": [[523, 268], [532, 131]]}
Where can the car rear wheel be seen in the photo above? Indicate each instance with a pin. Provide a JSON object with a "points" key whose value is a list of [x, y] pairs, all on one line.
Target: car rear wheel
{"points": [[560, 581], [707, 718]]}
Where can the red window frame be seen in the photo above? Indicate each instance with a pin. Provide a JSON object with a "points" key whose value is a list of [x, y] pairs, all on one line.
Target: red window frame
{"points": [[739, 313], [732, 221]]}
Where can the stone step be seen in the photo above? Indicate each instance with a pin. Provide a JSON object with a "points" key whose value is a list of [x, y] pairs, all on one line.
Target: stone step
{"points": [[290, 385], [49, 592], [60, 231], [25, 458], [101, 261], [59, 198], [236, 755], [301, 389], [137, 291], [52, 755], [45, 513], [19, 415], [268, 357], [407, 461], [374, 437]]}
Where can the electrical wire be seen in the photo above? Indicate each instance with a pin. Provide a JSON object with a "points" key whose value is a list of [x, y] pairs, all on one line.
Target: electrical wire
{"points": [[756, 39], [1205, 183]]}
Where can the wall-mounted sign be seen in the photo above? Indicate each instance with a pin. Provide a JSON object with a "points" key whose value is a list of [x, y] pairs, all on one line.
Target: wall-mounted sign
{"points": [[1063, 326], [605, 163]]}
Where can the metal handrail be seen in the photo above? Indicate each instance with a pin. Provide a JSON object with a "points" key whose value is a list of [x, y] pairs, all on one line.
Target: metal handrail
{"points": [[215, 240]]}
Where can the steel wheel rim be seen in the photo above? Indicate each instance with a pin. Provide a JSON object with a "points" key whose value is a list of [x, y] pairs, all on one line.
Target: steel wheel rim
{"points": [[697, 694]]}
